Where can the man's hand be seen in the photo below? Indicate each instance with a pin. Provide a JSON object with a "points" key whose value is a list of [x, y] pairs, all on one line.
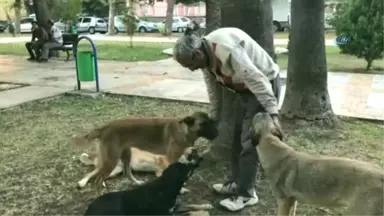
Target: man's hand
{"points": [[276, 121]]}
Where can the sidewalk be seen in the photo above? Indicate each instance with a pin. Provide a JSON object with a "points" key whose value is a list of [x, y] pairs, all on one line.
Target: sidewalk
{"points": [[354, 95], [101, 37]]}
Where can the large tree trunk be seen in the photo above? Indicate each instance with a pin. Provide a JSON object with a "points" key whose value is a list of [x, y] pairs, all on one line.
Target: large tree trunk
{"points": [[42, 12], [111, 18], [213, 15], [306, 96], [255, 18], [17, 7], [169, 18]]}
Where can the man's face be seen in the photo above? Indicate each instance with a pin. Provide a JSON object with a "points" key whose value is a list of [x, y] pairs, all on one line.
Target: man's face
{"points": [[34, 25], [197, 61]]}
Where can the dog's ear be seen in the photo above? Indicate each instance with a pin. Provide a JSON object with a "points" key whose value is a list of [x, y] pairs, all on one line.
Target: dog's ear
{"points": [[255, 137], [189, 120]]}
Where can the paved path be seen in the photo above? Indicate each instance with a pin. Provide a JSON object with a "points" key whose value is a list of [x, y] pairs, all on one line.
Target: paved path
{"points": [[354, 95], [100, 37]]}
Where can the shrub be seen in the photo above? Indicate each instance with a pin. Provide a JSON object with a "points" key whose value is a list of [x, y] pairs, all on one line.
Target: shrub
{"points": [[362, 22]]}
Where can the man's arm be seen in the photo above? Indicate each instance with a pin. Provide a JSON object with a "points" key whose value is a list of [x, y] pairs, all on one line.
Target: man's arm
{"points": [[33, 35], [214, 94], [254, 79]]}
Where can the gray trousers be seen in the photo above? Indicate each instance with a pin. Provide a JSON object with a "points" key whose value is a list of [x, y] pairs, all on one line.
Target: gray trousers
{"points": [[245, 161], [47, 46]]}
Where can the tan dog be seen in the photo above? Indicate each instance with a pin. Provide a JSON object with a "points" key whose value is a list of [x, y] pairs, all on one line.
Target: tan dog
{"points": [[320, 180], [140, 161], [167, 136]]}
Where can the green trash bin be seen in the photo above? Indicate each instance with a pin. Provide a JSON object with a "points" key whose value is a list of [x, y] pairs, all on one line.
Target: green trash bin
{"points": [[86, 65], [73, 30]]}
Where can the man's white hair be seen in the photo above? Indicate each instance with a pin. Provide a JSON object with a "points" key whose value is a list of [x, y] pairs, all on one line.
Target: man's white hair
{"points": [[186, 46]]}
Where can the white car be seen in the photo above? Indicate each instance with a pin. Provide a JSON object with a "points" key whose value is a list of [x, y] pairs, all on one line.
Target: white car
{"points": [[179, 24], [91, 25], [26, 25], [141, 25]]}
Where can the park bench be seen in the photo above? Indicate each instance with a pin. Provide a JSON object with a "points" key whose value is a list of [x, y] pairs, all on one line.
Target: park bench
{"points": [[69, 41]]}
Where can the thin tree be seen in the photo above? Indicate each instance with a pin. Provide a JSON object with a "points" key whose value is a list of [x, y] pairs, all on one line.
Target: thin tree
{"points": [[17, 7], [111, 17], [306, 96], [169, 17]]}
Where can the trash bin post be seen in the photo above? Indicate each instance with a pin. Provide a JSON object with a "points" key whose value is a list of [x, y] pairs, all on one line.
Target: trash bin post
{"points": [[88, 66]]}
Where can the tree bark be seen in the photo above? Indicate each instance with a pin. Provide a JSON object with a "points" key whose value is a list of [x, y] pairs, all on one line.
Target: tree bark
{"points": [[306, 96], [111, 18], [213, 15], [17, 7], [42, 12], [169, 18]]}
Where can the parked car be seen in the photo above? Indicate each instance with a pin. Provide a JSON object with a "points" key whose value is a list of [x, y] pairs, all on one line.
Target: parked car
{"points": [[179, 24], [141, 25], [26, 25], [3, 25], [91, 25]]}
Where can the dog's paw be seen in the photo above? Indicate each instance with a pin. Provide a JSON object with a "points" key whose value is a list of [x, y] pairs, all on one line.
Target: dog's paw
{"points": [[138, 182], [184, 190], [81, 184], [206, 207]]}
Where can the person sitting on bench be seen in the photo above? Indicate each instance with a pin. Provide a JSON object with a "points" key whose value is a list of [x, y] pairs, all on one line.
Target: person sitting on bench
{"points": [[34, 46], [55, 40]]}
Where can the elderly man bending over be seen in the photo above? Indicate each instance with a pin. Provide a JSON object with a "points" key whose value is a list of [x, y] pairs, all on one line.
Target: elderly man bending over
{"points": [[230, 57]]}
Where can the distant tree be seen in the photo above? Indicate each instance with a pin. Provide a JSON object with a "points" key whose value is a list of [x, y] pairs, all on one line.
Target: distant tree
{"points": [[169, 17], [28, 7], [130, 23], [17, 5], [66, 10], [98, 8], [362, 21], [111, 17]]}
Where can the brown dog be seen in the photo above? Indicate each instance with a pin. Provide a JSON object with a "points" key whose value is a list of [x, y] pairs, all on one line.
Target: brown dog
{"points": [[319, 180], [167, 136]]}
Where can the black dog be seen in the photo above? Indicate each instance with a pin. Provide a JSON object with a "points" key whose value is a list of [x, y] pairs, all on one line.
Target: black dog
{"points": [[156, 197]]}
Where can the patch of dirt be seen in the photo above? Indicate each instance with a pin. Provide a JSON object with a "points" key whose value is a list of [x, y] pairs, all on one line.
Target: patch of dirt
{"points": [[39, 168], [7, 86]]}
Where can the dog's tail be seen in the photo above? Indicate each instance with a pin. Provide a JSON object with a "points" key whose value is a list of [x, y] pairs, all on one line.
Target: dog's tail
{"points": [[86, 140]]}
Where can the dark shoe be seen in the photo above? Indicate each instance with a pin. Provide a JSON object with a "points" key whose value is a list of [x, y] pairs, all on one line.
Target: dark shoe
{"points": [[42, 60], [31, 59]]}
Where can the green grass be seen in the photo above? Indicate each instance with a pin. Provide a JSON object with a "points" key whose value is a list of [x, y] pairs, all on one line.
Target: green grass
{"points": [[284, 35], [119, 51], [337, 62], [39, 168]]}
